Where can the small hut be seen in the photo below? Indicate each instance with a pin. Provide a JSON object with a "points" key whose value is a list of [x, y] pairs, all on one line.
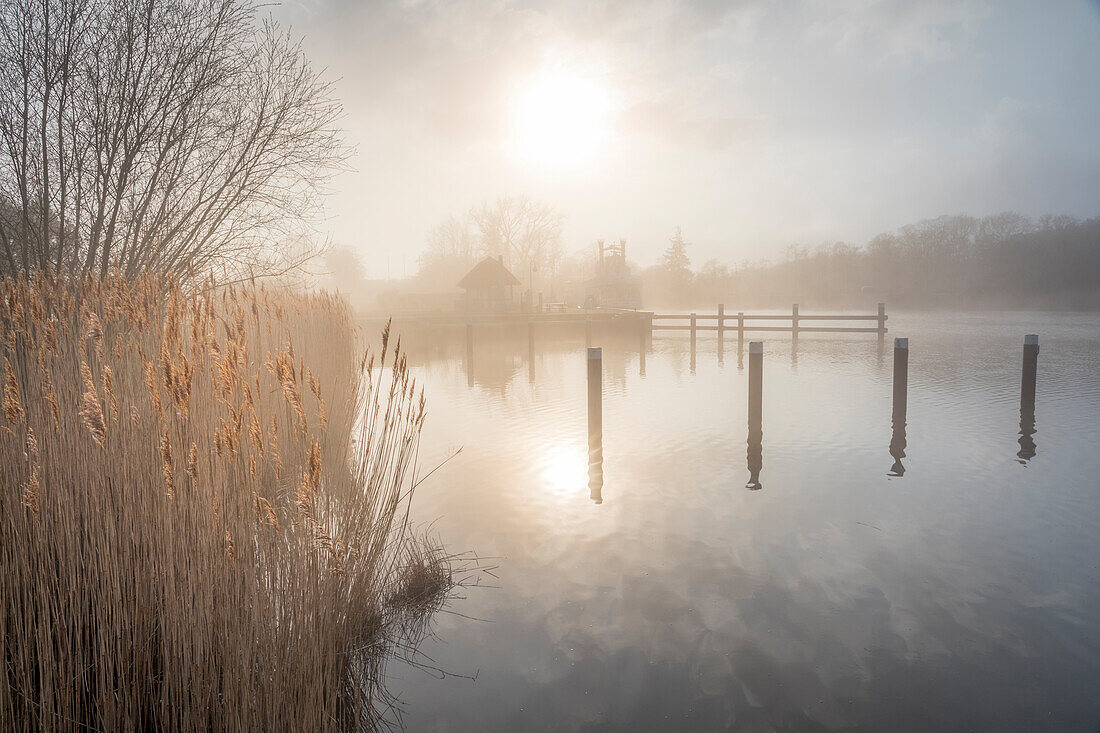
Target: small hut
{"points": [[489, 286]]}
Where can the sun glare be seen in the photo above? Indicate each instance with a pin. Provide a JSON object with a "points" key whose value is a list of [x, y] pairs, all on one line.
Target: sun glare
{"points": [[560, 119], [564, 469]]}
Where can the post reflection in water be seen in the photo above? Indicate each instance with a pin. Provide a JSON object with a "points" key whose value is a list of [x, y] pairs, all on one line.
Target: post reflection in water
{"points": [[595, 466], [1027, 430], [897, 445]]}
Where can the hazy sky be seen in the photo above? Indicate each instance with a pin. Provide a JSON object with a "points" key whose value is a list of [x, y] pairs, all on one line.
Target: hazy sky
{"points": [[753, 125]]}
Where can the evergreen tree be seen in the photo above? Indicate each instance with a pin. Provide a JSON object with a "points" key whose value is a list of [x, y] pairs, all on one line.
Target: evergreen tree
{"points": [[675, 260]]}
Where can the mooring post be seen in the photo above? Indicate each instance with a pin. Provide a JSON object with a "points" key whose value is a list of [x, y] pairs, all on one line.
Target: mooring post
{"points": [[901, 378], [588, 332], [595, 392], [794, 320], [1027, 398], [595, 423], [881, 319], [1031, 366], [740, 332], [756, 432], [756, 380]]}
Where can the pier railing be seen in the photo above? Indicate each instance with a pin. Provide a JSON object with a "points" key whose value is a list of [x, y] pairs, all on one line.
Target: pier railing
{"points": [[743, 322]]}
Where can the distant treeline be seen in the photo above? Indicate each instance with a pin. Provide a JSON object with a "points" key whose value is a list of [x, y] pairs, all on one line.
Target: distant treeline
{"points": [[1003, 260]]}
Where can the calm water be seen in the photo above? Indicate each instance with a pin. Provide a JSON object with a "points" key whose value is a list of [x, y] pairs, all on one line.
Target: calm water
{"points": [[962, 595]]}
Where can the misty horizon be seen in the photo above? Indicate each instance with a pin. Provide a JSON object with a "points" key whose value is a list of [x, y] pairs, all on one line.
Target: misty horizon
{"points": [[754, 128]]}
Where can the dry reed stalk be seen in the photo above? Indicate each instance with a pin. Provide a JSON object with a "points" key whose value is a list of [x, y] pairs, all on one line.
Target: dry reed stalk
{"points": [[13, 406], [90, 409], [109, 392], [127, 603], [166, 457]]}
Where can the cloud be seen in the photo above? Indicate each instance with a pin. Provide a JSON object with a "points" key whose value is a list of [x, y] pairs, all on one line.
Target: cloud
{"points": [[755, 121], [900, 30]]}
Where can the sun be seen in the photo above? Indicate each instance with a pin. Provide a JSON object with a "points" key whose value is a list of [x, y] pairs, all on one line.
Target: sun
{"points": [[560, 119]]}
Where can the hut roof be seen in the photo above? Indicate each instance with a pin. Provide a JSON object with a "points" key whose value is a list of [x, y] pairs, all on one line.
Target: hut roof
{"points": [[490, 272]]}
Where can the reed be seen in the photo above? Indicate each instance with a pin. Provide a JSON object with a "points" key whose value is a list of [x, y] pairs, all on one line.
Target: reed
{"points": [[203, 517]]}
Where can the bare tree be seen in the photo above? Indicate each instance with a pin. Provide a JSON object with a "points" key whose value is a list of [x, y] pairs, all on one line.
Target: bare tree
{"points": [[526, 233], [451, 240], [157, 135]]}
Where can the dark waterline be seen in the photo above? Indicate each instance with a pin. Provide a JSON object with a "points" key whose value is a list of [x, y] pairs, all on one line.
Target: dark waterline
{"points": [[933, 572]]}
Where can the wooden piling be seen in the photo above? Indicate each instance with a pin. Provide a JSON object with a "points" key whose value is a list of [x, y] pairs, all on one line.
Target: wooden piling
{"points": [[756, 380], [881, 319], [595, 424], [740, 332], [693, 331], [1030, 370], [794, 321], [1027, 398], [756, 432], [595, 391], [901, 378]]}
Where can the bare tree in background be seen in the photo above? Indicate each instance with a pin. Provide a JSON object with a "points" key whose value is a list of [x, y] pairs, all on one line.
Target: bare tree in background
{"points": [[158, 135], [527, 233]]}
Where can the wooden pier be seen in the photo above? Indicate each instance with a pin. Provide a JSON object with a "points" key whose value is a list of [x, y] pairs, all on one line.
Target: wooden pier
{"points": [[647, 322], [741, 322]]}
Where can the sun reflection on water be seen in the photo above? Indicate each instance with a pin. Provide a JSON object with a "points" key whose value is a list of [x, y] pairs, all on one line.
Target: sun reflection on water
{"points": [[563, 468]]}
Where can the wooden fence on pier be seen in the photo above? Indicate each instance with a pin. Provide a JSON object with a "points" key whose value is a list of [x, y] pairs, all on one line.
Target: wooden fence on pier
{"points": [[741, 322]]}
